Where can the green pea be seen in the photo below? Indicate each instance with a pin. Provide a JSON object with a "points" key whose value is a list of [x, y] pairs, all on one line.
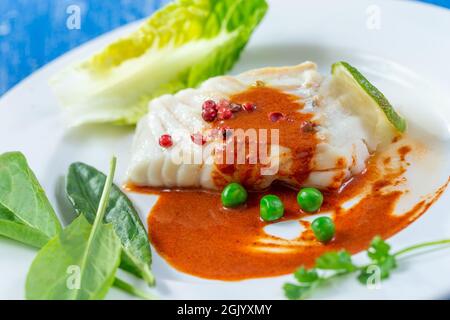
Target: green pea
{"points": [[323, 228], [271, 208], [234, 195], [310, 199]]}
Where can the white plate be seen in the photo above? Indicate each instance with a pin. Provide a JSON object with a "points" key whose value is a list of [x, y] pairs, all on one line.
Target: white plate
{"points": [[402, 46]]}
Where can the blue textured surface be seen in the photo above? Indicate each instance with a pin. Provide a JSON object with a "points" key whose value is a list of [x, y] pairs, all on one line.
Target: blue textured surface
{"points": [[34, 32], [442, 3]]}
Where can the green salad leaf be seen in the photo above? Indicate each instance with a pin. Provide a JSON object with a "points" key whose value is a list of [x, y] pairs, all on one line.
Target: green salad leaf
{"points": [[84, 187], [81, 262], [181, 45], [26, 215]]}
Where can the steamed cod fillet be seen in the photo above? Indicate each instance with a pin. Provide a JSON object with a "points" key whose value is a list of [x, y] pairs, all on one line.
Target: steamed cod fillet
{"points": [[343, 142]]}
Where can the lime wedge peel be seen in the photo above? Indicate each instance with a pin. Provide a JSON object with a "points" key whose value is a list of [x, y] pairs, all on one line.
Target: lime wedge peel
{"points": [[346, 72]]}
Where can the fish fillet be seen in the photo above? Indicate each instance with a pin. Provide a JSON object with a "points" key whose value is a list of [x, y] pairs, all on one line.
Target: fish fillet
{"points": [[343, 146]]}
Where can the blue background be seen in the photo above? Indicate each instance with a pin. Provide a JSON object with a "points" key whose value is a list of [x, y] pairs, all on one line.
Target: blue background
{"points": [[34, 32]]}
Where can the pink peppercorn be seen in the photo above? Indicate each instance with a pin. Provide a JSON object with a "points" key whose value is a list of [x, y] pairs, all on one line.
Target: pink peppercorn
{"points": [[165, 141], [275, 116], [249, 107], [225, 114], [209, 105], [223, 104], [234, 107], [198, 138], [209, 115], [209, 111]]}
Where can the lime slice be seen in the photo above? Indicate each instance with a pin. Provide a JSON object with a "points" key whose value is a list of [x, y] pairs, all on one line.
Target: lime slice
{"points": [[364, 99]]}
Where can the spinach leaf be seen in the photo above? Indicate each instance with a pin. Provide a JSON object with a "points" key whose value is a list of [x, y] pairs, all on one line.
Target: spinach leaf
{"points": [[78, 264], [81, 262], [84, 185], [26, 215]]}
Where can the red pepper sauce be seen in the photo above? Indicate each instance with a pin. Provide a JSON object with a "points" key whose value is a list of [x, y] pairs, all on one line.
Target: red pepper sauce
{"points": [[292, 135], [193, 232]]}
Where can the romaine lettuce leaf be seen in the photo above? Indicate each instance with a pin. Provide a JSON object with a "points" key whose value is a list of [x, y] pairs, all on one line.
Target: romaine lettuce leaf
{"points": [[181, 45]]}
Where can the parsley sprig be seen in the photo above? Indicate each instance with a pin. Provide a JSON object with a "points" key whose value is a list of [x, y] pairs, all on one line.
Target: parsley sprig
{"points": [[332, 265]]}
